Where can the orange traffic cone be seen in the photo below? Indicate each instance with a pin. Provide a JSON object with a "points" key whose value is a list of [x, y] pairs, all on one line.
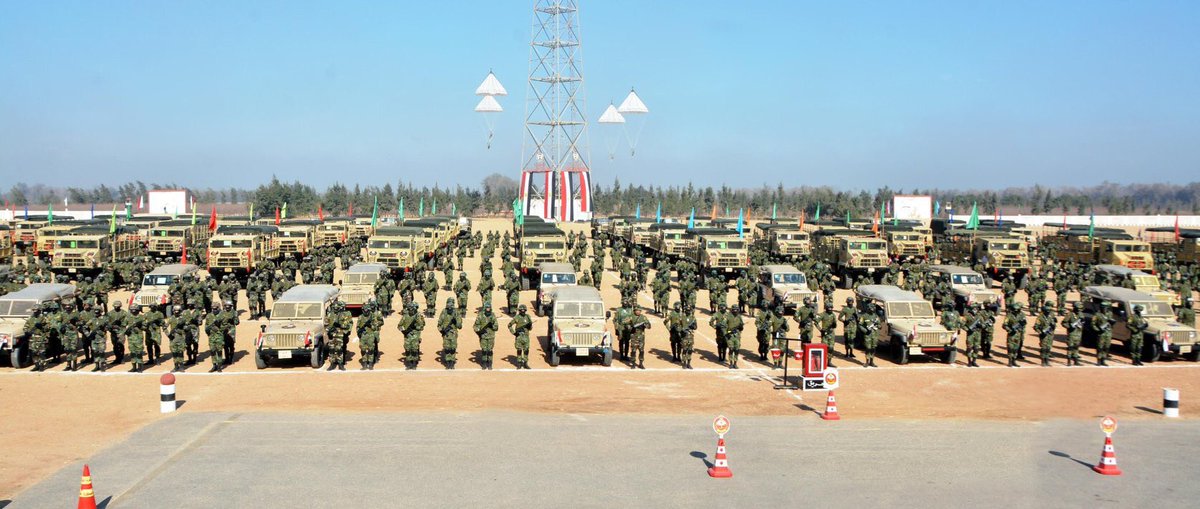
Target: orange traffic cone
{"points": [[720, 467], [87, 498], [831, 409], [1108, 459]]}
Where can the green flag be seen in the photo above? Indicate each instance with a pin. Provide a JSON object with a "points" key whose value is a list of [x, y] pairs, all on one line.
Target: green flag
{"points": [[193, 212], [817, 217], [1092, 226], [400, 209], [282, 213], [375, 213], [433, 211], [252, 211], [774, 209], [973, 223], [421, 208], [847, 218], [50, 215], [112, 221], [453, 208], [128, 210]]}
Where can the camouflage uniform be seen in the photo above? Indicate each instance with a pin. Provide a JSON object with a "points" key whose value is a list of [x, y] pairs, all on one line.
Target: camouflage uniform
{"points": [[1073, 322], [637, 325], [485, 328], [369, 324], [1044, 326], [337, 332], [449, 324], [411, 324], [868, 330], [520, 327], [1014, 326], [1137, 333]]}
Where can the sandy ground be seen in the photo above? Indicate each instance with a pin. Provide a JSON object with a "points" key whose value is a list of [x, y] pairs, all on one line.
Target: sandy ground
{"points": [[52, 419]]}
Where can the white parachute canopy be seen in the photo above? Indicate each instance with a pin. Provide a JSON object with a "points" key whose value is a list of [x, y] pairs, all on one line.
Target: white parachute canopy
{"points": [[491, 86], [611, 125], [488, 108], [634, 110]]}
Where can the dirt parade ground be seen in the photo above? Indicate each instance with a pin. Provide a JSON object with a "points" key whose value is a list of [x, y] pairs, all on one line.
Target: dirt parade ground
{"points": [[56, 420]]}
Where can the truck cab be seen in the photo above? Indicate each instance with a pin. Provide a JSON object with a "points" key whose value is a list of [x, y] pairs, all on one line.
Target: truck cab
{"points": [[358, 284]]}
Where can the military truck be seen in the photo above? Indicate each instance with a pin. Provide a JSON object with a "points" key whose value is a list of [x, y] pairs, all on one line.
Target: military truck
{"points": [[905, 244], [1164, 335], [46, 237], [1185, 248], [169, 237], [297, 326], [553, 276], [618, 228], [6, 245], [577, 325], [783, 241], [782, 285], [640, 235], [358, 284], [361, 227], [1116, 275], [599, 227], [671, 241], [297, 237], [334, 231], [428, 242], [395, 247], [87, 249], [538, 244], [967, 286], [156, 285], [850, 253], [238, 250], [15, 310], [24, 232], [910, 325], [719, 252], [1000, 252], [1102, 246]]}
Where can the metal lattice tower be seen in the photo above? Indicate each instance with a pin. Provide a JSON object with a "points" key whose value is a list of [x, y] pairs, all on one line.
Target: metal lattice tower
{"points": [[555, 178]]}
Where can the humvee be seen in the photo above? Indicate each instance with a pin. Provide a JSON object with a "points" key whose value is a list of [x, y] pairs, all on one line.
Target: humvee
{"points": [[238, 250], [553, 276], [87, 249], [1165, 334], [719, 251], [297, 326], [851, 253], [968, 286], [782, 285], [1115, 275], [156, 285], [395, 246], [15, 310], [577, 325], [358, 284], [169, 237], [671, 241], [539, 243], [909, 323], [297, 236]]}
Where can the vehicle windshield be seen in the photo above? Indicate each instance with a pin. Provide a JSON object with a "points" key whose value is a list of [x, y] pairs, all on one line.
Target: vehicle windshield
{"points": [[905, 237], [1154, 308], [558, 278], [361, 278], [726, 244], [1146, 282], [296, 311], [232, 243], [292, 233], [579, 310], [556, 245], [157, 280], [17, 307], [910, 310], [1131, 248], [792, 236], [166, 233], [789, 279], [861, 245], [1004, 246], [77, 244], [968, 279], [334, 227], [673, 236], [390, 244]]}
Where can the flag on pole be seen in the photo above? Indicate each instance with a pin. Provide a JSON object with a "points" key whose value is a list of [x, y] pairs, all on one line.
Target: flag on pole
{"points": [[141, 202], [128, 209], [212, 220], [26, 211], [321, 211], [252, 211], [1064, 226], [433, 210], [454, 208], [375, 213], [692, 219], [740, 224], [400, 209], [801, 220], [658, 214], [112, 221], [973, 222], [876, 220], [283, 212], [638, 214], [847, 219], [1092, 226], [421, 208], [714, 213], [350, 210], [726, 210], [93, 216], [51, 214], [774, 209], [183, 259], [1176, 227], [937, 208], [277, 216], [193, 212], [817, 217]]}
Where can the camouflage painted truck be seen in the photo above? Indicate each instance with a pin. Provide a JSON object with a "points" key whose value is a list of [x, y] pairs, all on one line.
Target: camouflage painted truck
{"points": [[718, 252], [239, 250], [909, 324], [577, 325], [88, 249], [539, 243], [851, 254], [1101, 246], [1000, 252], [396, 247], [1164, 334], [297, 326]]}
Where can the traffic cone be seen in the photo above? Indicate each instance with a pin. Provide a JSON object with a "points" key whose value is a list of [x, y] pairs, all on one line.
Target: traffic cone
{"points": [[720, 467], [831, 409], [87, 498], [1108, 459]]}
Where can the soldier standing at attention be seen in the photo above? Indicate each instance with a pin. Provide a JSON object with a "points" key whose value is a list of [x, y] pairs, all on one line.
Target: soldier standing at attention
{"points": [[117, 322], [449, 324], [1073, 322], [849, 318], [411, 324], [216, 338], [430, 289], [1009, 288], [512, 291], [805, 315], [1102, 323], [717, 322], [733, 336], [827, 323], [177, 331], [369, 323], [950, 319], [988, 315], [974, 327], [1014, 326], [520, 327], [687, 337], [1045, 328], [69, 335], [1186, 315], [337, 331], [868, 330], [99, 337], [661, 288], [138, 330], [485, 328], [37, 329], [621, 327], [1137, 332], [762, 326], [597, 271], [674, 322], [152, 323], [638, 325]]}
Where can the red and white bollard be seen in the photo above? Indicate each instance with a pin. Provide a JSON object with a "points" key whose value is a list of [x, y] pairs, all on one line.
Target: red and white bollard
{"points": [[166, 393]]}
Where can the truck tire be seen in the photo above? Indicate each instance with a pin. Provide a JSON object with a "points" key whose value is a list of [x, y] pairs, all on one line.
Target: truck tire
{"points": [[259, 361], [1152, 350], [318, 356], [1194, 355], [607, 360], [844, 282], [950, 355], [524, 283], [16, 357], [554, 359], [901, 351]]}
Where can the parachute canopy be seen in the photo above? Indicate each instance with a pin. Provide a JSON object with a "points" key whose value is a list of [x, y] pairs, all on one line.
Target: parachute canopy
{"points": [[632, 104], [488, 105], [612, 116], [491, 86]]}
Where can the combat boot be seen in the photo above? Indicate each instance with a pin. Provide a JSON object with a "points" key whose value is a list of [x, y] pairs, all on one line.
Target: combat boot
{"points": [[450, 365], [341, 366], [1101, 363], [1046, 364], [332, 366], [212, 369]]}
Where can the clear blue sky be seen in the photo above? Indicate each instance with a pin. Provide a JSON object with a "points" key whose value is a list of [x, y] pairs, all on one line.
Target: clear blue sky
{"points": [[847, 94]]}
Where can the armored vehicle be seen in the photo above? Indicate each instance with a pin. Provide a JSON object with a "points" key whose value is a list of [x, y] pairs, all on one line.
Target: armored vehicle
{"points": [[1164, 334], [718, 251], [909, 323], [553, 276], [1116, 275], [156, 286], [396, 247], [782, 285], [850, 253], [297, 326], [15, 310], [538, 244], [358, 284], [87, 249], [967, 286], [577, 325]]}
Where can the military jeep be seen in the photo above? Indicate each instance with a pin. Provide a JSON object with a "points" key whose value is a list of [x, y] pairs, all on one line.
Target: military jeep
{"points": [[1164, 334], [782, 285], [909, 323], [553, 277], [577, 325], [155, 290], [969, 287], [15, 310], [297, 326]]}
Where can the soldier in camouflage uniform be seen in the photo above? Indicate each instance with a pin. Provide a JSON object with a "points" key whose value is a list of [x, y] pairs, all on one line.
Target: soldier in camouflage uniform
{"points": [[177, 330], [512, 289], [1137, 334], [411, 324], [827, 323], [337, 333], [462, 288], [98, 336], [637, 326], [1073, 322], [849, 318], [38, 330], [1044, 326], [973, 323], [485, 328], [717, 322], [1186, 315], [138, 330], [733, 336], [805, 320], [216, 338], [1102, 322], [685, 325], [369, 324], [868, 330], [448, 325], [430, 289], [117, 322], [69, 335], [621, 327], [520, 327], [1014, 326]]}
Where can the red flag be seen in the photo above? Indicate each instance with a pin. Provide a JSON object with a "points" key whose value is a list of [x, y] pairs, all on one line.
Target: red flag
{"points": [[714, 213], [1176, 227], [320, 212], [212, 220], [1064, 222], [875, 224], [351, 211], [276, 216], [801, 220], [183, 259]]}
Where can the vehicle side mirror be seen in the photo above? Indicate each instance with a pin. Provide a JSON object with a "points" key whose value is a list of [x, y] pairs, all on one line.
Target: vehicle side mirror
{"points": [[262, 328], [339, 282], [608, 314]]}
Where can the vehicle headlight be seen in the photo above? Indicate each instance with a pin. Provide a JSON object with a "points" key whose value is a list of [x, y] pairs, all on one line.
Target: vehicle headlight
{"points": [[372, 253]]}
